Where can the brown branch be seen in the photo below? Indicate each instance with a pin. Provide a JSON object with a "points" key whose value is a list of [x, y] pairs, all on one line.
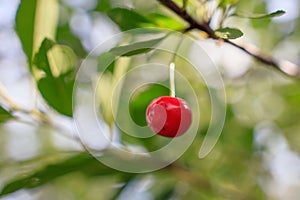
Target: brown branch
{"points": [[194, 24], [286, 67]]}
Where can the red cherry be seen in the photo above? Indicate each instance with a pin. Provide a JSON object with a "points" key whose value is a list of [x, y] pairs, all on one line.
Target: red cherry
{"points": [[169, 116]]}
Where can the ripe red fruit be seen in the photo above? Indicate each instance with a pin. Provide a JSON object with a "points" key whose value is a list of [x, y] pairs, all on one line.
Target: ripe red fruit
{"points": [[169, 116]]}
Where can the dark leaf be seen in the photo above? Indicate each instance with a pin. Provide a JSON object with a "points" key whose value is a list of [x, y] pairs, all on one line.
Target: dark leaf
{"points": [[58, 91], [228, 33], [33, 24], [41, 60], [56, 85], [259, 16], [25, 25], [4, 115], [136, 48]]}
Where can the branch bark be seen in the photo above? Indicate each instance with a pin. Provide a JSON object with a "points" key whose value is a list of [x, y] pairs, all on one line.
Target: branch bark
{"points": [[286, 67]]}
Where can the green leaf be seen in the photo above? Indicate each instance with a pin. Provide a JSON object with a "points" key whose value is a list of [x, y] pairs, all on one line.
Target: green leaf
{"points": [[58, 93], [106, 62], [56, 62], [84, 163], [36, 20], [25, 25], [259, 16], [228, 33], [65, 36], [61, 59], [136, 48], [224, 3], [128, 19], [164, 21], [4, 115], [103, 6]]}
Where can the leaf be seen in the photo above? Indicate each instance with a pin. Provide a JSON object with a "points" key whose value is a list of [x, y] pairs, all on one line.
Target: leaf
{"points": [[58, 93], [106, 61], [228, 33], [224, 3], [57, 62], [65, 36], [84, 163], [36, 20], [136, 48], [103, 6], [4, 115], [163, 21], [25, 25], [259, 16], [61, 59], [128, 19]]}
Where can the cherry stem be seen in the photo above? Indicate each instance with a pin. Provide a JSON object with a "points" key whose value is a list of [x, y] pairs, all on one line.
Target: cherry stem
{"points": [[172, 79], [172, 69]]}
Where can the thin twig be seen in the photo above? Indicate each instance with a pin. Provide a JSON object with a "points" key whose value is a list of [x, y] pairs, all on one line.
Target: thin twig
{"points": [[286, 67]]}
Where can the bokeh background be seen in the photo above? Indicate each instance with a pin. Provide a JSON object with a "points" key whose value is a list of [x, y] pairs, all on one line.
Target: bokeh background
{"points": [[256, 157]]}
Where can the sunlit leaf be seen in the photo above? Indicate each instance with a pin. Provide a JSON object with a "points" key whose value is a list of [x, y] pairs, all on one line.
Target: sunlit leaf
{"points": [[61, 59], [4, 115], [128, 19], [136, 48], [228, 33], [224, 3], [36, 20], [56, 63], [164, 21], [259, 16]]}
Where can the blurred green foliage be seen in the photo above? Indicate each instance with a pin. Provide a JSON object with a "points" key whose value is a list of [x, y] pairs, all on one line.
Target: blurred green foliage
{"points": [[234, 167]]}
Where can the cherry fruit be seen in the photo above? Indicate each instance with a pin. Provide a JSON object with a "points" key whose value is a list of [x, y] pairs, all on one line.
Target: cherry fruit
{"points": [[169, 116]]}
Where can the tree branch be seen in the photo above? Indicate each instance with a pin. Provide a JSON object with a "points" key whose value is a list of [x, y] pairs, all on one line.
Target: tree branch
{"points": [[283, 66], [194, 24]]}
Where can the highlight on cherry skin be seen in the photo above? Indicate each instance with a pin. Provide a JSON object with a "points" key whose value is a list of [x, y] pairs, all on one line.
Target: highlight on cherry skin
{"points": [[169, 116]]}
